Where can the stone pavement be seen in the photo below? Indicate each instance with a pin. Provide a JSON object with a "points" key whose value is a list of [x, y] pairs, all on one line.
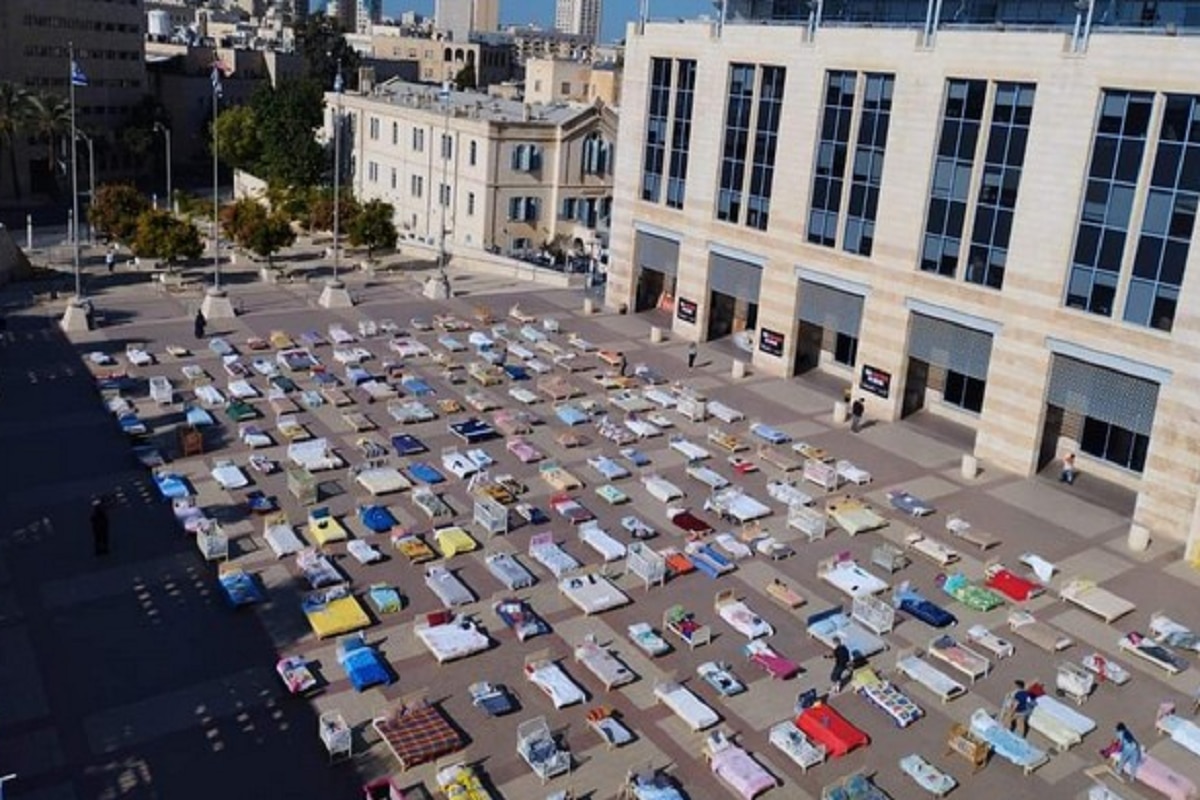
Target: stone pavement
{"points": [[130, 676]]}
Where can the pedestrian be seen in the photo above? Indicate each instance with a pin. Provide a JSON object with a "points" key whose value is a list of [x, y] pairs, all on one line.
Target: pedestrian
{"points": [[1017, 706], [99, 520], [110, 260], [1068, 470], [857, 408], [198, 325], [1129, 757], [621, 364], [691, 353], [840, 674]]}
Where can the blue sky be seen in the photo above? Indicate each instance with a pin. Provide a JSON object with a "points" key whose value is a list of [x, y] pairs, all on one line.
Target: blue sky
{"points": [[616, 12]]}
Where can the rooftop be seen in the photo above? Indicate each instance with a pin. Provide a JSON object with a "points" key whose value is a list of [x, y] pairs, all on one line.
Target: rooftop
{"points": [[472, 105]]}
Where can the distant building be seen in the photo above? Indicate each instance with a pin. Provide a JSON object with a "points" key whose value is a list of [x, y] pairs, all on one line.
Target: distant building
{"points": [[511, 176], [554, 80], [367, 13], [455, 18], [530, 41], [578, 17], [441, 60]]}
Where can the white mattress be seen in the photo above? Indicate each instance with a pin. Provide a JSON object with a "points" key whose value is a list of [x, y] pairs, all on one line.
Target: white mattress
{"points": [[383, 480], [452, 640], [744, 620], [449, 589], [687, 706], [661, 489], [553, 558], [506, 569], [282, 540], [599, 540], [930, 677], [557, 685], [853, 580], [592, 593]]}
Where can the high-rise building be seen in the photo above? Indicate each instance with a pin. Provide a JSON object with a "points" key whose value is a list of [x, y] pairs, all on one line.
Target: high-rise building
{"points": [[108, 39], [366, 14], [578, 17], [455, 17], [993, 229], [486, 16]]}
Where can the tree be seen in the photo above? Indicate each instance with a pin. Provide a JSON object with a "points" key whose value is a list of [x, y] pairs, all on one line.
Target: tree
{"points": [[14, 115], [257, 229], [239, 144], [115, 210], [160, 234], [287, 118], [241, 216], [373, 228], [323, 46], [320, 216], [49, 119], [465, 79]]}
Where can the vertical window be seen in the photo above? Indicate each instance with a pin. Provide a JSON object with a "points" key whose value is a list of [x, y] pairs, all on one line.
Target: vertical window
{"points": [[766, 138], [416, 185], [656, 128], [395, 133], [947, 211], [470, 204], [373, 128], [681, 131], [472, 152], [568, 208], [444, 194], [738, 107], [1117, 151], [595, 154], [1002, 163], [447, 146], [1170, 217], [418, 140], [830, 166], [372, 172], [526, 158], [964, 391], [393, 177], [867, 172], [845, 349]]}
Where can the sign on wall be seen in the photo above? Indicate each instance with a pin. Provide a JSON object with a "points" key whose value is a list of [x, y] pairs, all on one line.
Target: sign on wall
{"points": [[685, 310], [770, 342], [875, 381]]}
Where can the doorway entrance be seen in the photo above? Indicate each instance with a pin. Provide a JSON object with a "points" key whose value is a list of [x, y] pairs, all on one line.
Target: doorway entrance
{"points": [[808, 347], [915, 381], [1052, 429], [650, 287]]}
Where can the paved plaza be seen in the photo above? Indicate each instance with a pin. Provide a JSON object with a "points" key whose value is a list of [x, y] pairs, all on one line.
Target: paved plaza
{"points": [[130, 676]]}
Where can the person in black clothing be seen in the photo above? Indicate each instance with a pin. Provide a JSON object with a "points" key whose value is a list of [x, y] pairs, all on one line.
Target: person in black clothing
{"points": [[841, 665], [621, 364], [198, 326], [856, 414], [99, 519]]}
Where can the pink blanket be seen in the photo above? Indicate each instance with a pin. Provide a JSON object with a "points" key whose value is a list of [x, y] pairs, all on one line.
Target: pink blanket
{"points": [[1164, 780]]}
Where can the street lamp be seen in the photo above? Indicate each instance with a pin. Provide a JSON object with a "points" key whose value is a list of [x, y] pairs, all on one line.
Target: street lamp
{"points": [[166, 132], [91, 179]]}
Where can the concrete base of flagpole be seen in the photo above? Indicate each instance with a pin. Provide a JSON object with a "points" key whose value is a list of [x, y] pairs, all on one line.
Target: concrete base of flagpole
{"points": [[217, 305], [75, 317], [437, 287], [335, 295]]}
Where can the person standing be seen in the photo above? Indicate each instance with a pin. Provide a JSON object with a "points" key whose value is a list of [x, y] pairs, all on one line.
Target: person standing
{"points": [[1017, 707], [621, 364], [110, 260], [840, 674], [1129, 757], [1068, 470], [691, 355], [199, 324], [99, 520], [857, 409]]}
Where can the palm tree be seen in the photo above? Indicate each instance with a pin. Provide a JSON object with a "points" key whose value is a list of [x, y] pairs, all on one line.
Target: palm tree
{"points": [[14, 113], [49, 119]]}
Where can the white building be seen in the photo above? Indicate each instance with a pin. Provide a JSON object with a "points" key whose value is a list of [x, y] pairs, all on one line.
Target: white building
{"points": [[579, 17]]}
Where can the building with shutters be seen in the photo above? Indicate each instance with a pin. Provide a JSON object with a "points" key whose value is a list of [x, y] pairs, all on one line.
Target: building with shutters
{"points": [[991, 223]]}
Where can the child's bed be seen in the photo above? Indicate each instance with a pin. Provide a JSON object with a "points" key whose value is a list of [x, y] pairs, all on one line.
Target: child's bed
{"points": [[1011, 585], [591, 534], [1061, 724], [1038, 633], [364, 666], [949, 651], [505, 568], [708, 559], [739, 615], [431, 503], [912, 666], [452, 540], [405, 444], [769, 434], [823, 724], [324, 528], [770, 660], [909, 504], [916, 605], [850, 473], [317, 568], [998, 646], [607, 468], [941, 554], [1005, 743], [545, 551], [519, 617], [558, 477], [688, 522], [1165, 630], [280, 536], [570, 414], [334, 611], [1096, 600], [661, 489], [449, 637], [447, 586], [380, 479], [592, 593], [1155, 774], [684, 703], [643, 428], [552, 679], [833, 624], [721, 678], [789, 740], [1182, 731], [732, 764], [845, 575], [648, 640], [854, 516], [782, 593], [689, 450], [239, 587], [612, 495], [606, 667], [684, 625], [707, 476], [570, 509], [472, 430], [886, 697], [971, 595], [1149, 650]]}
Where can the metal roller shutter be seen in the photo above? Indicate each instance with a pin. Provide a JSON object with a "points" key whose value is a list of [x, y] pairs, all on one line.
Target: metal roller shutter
{"points": [[656, 253], [954, 347], [733, 277], [1103, 394], [831, 308]]}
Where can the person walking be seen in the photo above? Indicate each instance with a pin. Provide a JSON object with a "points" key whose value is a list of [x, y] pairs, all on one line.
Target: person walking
{"points": [[840, 674], [1017, 706], [691, 355], [1129, 757], [99, 520], [199, 324], [857, 409], [621, 364], [1068, 470], [110, 260]]}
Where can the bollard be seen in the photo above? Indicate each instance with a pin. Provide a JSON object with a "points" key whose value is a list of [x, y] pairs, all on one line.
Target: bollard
{"points": [[589, 306], [656, 334], [839, 412], [970, 467], [739, 368], [1139, 538]]}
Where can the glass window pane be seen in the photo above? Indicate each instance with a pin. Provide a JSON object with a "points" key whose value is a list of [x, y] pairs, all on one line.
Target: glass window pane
{"points": [[1120, 203], [1158, 212], [1138, 302]]}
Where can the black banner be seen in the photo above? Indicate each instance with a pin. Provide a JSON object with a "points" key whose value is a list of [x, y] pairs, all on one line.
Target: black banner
{"points": [[685, 310], [770, 342], [875, 381]]}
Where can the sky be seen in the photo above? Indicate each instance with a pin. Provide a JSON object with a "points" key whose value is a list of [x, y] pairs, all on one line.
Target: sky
{"points": [[616, 12]]}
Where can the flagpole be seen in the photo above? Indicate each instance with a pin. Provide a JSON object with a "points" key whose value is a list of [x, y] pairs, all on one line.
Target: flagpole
{"points": [[216, 207], [74, 173]]}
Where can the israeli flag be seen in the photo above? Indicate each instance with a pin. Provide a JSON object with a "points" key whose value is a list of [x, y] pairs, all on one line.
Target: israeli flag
{"points": [[216, 81], [338, 83], [77, 76]]}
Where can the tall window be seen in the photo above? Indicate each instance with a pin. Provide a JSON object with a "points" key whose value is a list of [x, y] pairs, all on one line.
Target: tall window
{"points": [[523, 209], [1170, 217], [1117, 151], [997, 202], [418, 140], [395, 133], [416, 185], [470, 204], [526, 158], [830, 163], [656, 128], [766, 138], [447, 146], [595, 154], [738, 107], [867, 175], [444, 194], [472, 152], [681, 131], [947, 212]]}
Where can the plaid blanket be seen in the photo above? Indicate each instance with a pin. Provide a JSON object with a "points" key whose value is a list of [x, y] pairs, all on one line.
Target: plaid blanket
{"points": [[418, 734]]}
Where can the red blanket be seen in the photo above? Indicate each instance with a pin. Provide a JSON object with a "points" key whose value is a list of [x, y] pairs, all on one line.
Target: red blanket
{"points": [[823, 724]]}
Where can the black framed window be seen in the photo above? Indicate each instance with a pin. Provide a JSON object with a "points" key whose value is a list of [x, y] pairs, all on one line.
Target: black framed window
{"points": [[845, 349], [1114, 444], [766, 138], [681, 131], [946, 214], [867, 171], [964, 391], [654, 154], [736, 141], [829, 169]]}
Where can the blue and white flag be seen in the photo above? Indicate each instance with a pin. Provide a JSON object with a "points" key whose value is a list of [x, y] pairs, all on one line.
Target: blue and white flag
{"points": [[338, 84], [216, 81], [77, 76]]}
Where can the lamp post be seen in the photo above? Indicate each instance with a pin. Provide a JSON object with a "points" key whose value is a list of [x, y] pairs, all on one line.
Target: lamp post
{"points": [[438, 286], [91, 179], [166, 132], [216, 304], [334, 295], [78, 315]]}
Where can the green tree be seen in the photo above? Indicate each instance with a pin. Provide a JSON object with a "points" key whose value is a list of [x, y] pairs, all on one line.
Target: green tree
{"points": [[49, 120], [14, 115], [115, 210], [239, 144], [465, 79], [287, 118], [322, 44], [320, 216], [256, 228], [160, 234], [239, 217], [373, 227]]}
